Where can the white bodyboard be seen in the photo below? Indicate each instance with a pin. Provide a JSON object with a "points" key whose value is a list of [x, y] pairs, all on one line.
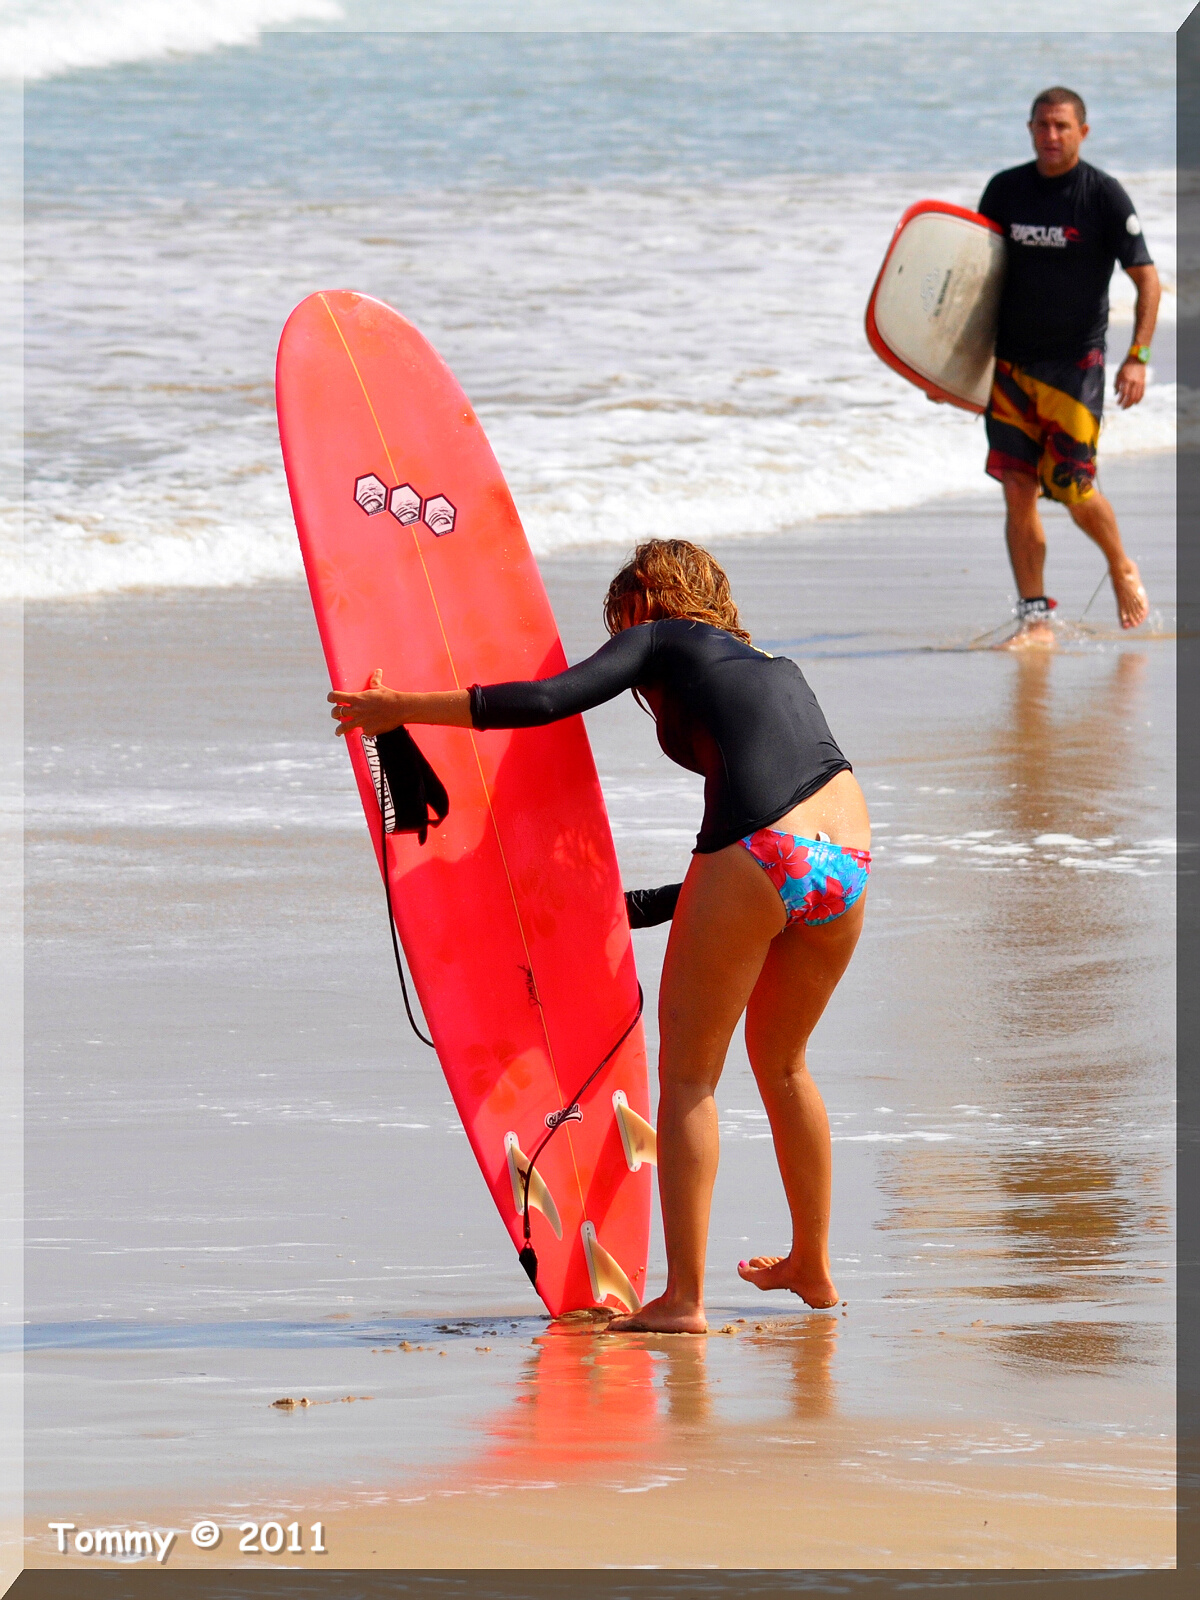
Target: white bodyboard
{"points": [[933, 311]]}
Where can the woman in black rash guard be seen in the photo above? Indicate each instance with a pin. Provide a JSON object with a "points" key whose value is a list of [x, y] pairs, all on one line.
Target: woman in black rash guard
{"points": [[772, 905]]}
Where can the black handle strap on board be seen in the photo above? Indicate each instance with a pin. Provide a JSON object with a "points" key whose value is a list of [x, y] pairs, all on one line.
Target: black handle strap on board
{"points": [[412, 799], [554, 1121]]}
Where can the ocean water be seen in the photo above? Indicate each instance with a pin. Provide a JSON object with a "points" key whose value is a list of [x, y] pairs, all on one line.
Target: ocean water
{"points": [[39, 38], [646, 258]]}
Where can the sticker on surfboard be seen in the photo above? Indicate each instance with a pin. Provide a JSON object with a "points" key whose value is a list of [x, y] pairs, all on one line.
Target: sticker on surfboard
{"points": [[372, 495], [933, 311]]}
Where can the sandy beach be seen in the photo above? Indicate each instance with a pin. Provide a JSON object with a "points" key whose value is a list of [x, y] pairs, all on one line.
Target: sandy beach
{"points": [[246, 1183]]}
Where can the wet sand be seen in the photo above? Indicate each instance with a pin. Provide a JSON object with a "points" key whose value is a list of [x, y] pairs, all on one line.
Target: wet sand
{"points": [[245, 1181], [591, 1469]]}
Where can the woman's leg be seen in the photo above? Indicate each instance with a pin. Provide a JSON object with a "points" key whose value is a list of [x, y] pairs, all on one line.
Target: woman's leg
{"points": [[727, 916], [798, 977]]}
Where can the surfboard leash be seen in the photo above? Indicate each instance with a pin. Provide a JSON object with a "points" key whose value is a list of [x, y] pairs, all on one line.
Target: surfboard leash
{"points": [[1095, 592], [979, 638], [387, 893], [527, 1255]]}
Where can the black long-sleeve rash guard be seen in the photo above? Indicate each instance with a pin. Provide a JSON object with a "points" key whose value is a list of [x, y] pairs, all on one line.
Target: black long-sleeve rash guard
{"points": [[746, 721]]}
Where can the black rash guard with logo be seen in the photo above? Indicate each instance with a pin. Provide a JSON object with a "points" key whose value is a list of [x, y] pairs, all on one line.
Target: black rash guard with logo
{"points": [[746, 721], [1062, 236]]}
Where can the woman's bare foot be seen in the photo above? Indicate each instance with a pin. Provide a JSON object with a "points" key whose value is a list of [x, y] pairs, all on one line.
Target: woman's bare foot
{"points": [[779, 1272], [662, 1316], [1133, 604]]}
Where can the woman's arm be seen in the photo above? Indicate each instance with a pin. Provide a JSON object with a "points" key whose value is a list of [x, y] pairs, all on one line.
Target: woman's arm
{"points": [[378, 709], [617, 665]]}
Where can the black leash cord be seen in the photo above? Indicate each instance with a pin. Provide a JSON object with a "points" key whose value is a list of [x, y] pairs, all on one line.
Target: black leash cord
{"points": [[555, 1120], [387, 891]]}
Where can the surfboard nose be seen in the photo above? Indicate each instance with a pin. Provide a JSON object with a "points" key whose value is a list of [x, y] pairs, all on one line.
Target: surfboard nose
{"points": [[638, 1138], [606, 1274]]}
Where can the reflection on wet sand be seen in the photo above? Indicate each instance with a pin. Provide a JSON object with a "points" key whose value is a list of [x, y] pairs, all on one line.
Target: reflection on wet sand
{"points": [[1065, 756], [1052, 1194], [586, 1399], [1065, 1212], [586, 1406], [808, 1347], [1077, 1346]]}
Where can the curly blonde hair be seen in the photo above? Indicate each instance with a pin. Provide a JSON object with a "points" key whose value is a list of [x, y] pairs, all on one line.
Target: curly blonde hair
{"points": [[671, 578]]}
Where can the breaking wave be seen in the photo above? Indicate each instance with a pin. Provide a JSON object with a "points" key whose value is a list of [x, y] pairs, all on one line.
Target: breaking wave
{"points": [[43, 38]]}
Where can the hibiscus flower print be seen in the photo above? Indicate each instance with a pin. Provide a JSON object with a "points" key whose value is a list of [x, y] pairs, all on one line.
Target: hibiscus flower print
{"points": [[823, 905], [779, 855]]}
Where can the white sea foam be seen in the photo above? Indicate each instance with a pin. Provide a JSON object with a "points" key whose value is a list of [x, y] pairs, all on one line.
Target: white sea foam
{"points": [[683, 359], [42, 38], [1143, 858]]}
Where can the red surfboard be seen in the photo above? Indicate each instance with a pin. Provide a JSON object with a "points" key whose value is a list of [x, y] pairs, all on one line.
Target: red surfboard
{"points": [[511, 913], [932, 313]]}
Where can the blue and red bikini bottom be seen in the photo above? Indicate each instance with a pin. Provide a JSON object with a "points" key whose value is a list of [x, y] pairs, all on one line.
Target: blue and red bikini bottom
{"points": [[817, 880]]}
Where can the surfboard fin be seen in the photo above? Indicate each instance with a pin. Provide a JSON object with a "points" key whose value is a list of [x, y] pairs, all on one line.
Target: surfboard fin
{"points": [[540, 1198], [638, 1138], [605, 1273]]}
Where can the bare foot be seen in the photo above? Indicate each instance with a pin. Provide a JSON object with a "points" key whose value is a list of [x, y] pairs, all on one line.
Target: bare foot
{"points": [[1031, 636], [778, 1272], [662, 1316], [1133, 604]]}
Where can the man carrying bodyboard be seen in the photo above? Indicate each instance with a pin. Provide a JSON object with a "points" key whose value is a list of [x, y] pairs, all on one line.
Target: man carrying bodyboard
{"points": [[1065, 223]]}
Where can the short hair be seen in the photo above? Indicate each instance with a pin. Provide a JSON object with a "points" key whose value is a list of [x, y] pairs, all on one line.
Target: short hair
{"points": [[1058, 96]]}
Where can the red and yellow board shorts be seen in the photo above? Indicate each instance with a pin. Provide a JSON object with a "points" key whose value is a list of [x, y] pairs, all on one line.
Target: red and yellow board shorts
{"points": [[1044, 420]]}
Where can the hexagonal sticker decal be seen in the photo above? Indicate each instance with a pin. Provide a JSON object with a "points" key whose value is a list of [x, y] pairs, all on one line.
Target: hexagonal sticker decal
{"points": [[405, 504], [439, 515], [370, 494]]}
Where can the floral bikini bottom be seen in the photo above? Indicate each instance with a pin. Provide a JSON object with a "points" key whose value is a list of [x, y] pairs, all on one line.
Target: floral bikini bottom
{"points": [[817, 880]]}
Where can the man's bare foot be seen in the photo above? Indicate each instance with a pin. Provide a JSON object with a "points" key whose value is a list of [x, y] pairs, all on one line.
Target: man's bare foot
{"points": [[779, 1272], [1133, 604], [662, 1316], [1031, 636]]}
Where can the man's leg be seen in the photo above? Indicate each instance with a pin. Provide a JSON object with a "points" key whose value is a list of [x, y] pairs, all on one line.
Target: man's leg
{"points": [[1025, 533], [1098, 520]]}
